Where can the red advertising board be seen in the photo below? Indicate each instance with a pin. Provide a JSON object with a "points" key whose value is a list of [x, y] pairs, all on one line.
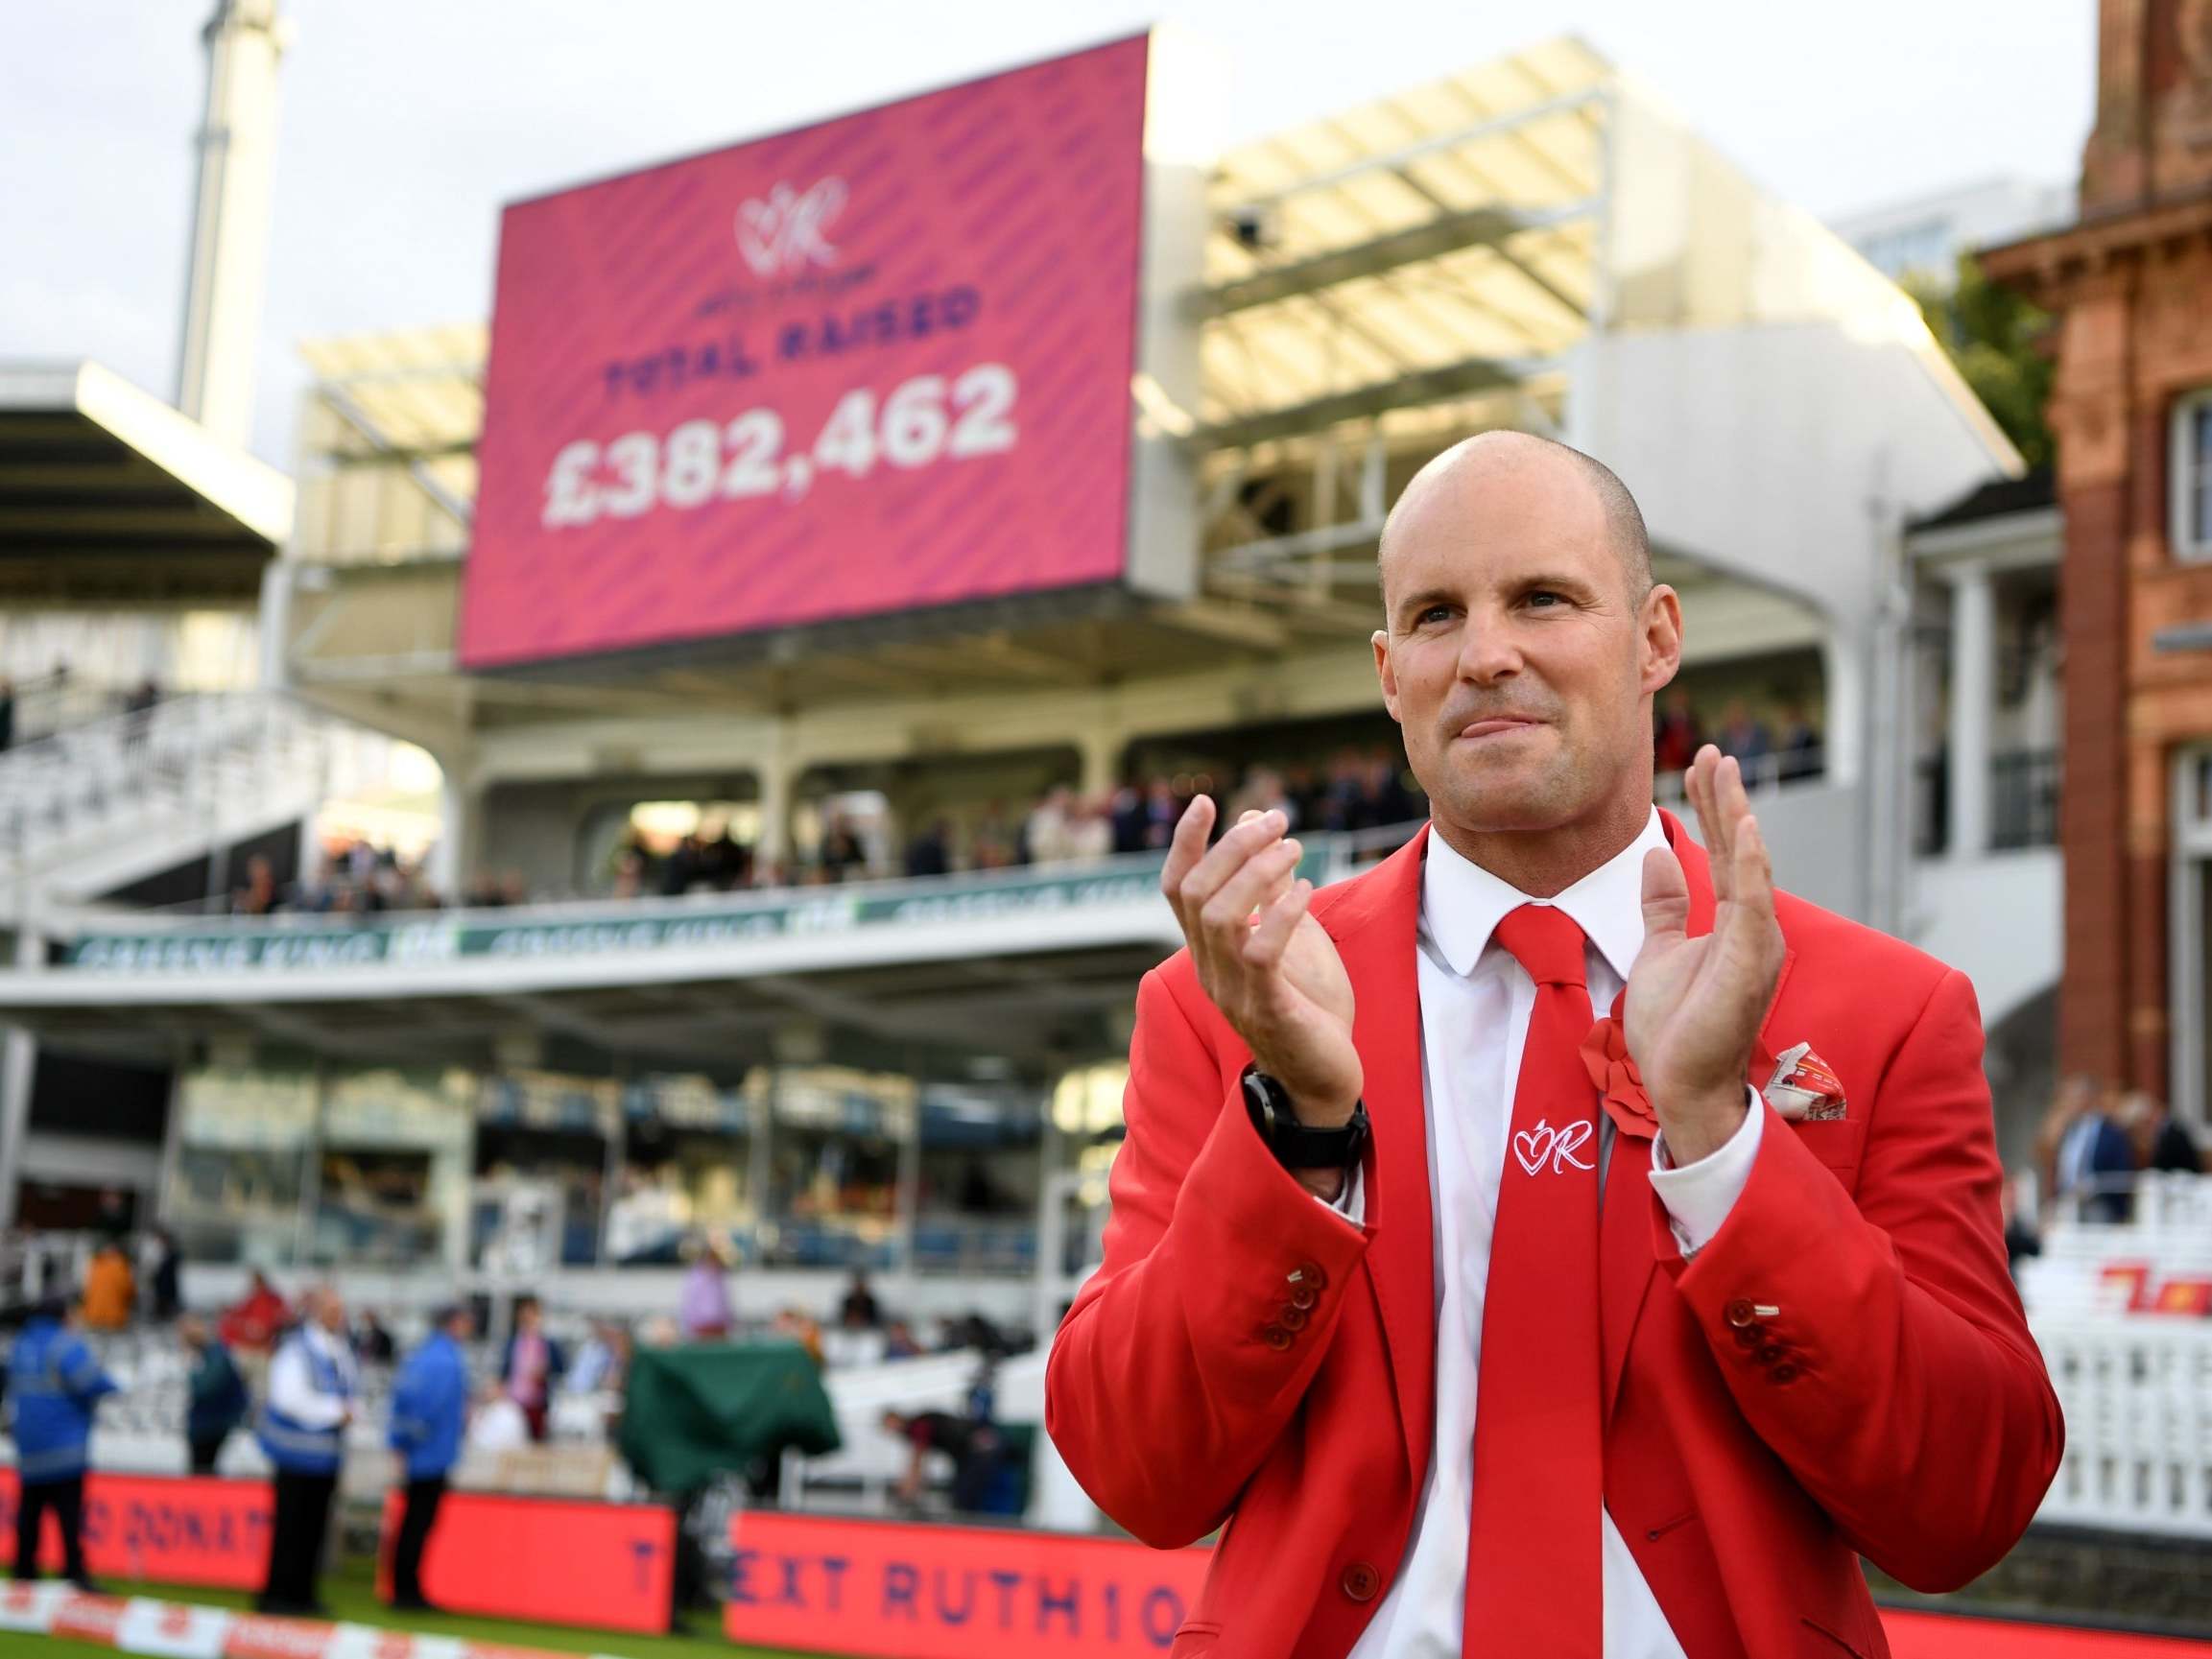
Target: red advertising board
{"points": [[547, 1560], [157, 1529], [879, 363], [873, 1590], [825, 1585]]}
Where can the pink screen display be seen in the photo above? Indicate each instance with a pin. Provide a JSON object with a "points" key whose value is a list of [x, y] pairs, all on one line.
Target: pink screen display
{"points": [[880, 364]]}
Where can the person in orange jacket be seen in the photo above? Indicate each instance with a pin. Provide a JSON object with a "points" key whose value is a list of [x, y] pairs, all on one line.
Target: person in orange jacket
{"points": [[110, 1288]]}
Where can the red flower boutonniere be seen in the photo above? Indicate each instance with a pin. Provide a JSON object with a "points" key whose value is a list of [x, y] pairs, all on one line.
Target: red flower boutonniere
{"points": [[1615, 1077]]}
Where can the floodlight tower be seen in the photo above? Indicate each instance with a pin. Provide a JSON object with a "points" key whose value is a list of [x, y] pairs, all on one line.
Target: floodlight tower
{"points": [[229, 253]]}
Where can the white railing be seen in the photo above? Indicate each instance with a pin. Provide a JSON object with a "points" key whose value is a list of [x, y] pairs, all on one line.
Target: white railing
{"points": [[2136, 1391], [188, 759]]}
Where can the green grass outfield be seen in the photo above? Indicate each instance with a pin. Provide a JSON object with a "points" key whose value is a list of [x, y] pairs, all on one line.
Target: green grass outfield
{"points": [[351, 1594]]}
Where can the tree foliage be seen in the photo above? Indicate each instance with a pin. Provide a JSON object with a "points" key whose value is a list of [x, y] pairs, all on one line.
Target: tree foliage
{"points": [[1999, 344]]}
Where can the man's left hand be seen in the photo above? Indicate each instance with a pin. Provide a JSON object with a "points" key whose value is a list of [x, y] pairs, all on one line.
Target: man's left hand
{"points": [[1694, 1004]]}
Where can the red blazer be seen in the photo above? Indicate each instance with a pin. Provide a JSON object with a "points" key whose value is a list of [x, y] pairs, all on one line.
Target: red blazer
{"points": [[1894, 1406]]}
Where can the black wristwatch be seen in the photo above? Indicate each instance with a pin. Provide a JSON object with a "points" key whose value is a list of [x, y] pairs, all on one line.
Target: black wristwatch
{"points": [[1295, 1145]]}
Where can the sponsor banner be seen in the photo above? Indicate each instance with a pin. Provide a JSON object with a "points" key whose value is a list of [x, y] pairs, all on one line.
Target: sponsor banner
{"points": [[31, 1606], [549, 1561], [879, 363], [149, 1528], [914, 1592], [626, 929], [873, 1590], [172, 1629], [255, 1637]]}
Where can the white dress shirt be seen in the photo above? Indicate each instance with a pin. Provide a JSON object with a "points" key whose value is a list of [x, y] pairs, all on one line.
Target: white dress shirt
{"points": [[1476, 1000], [292, 1388]]}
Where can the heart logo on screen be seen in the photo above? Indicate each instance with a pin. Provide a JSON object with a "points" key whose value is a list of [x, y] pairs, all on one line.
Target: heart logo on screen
{"points": [[788, 231]]}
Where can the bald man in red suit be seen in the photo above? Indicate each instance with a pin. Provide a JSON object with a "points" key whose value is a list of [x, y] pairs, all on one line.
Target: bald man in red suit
{"points": [[1554, 1243]]}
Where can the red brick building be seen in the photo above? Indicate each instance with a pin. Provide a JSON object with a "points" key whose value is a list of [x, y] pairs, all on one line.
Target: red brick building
{"points": [[2132, 286]]}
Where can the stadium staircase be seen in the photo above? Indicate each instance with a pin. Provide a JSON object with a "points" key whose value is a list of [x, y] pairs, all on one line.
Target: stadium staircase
{"points": [[95, 806]]}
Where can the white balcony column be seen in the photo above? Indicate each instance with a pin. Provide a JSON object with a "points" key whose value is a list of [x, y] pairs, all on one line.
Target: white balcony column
{"points": [[776, 775], [458, 849], [1102, 744], [18, 1061], [1973, 697]]}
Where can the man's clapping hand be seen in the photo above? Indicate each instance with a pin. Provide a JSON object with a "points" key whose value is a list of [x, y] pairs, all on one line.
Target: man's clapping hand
{"points": [[1263, 959]]}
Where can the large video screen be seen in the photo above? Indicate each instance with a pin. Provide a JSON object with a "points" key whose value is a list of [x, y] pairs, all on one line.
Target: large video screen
{"points": [[876, 364]]}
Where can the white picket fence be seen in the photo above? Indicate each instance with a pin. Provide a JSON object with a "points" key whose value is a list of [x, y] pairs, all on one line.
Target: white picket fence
{"points": [[2136, 1389]]}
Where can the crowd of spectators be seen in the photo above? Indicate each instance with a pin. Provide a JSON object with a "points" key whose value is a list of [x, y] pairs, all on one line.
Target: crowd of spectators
{"points": [[1780, 754], [357, 878], [2094, 1142], [1361, 788]]}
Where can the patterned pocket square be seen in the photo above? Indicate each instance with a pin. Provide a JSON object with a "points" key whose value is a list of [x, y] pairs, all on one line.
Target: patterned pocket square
{"points": [[1803, 1087]]}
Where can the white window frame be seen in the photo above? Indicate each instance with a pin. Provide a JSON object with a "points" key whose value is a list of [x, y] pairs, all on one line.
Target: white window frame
{"points": [[2190, 867], [2180, 458]]}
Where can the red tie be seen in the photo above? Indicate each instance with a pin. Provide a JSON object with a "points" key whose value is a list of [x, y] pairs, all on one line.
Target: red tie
{"points": [[1534, 1587]]}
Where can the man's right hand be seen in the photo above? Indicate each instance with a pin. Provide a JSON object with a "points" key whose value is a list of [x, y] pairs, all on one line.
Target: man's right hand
{"points": [[1266, 965]]}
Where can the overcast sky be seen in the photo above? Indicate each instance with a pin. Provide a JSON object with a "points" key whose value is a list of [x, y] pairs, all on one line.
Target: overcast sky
{"points": [[406, 123]]}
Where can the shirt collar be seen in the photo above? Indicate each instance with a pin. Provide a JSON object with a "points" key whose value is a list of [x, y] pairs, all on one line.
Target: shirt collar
{"points": [[1463, 903]]}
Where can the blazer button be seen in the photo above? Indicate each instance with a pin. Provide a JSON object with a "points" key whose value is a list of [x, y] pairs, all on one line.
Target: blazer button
{"points": [[1737, 1312], [1304, 1296], [1771, 1353], [1746, 1338], [1276, 1338], [1308, 1275], [1785, 1372], [1291, 1318], [1361, 1581]]}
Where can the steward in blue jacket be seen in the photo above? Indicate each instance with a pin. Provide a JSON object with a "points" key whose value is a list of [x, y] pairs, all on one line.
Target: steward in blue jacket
{"points": [[53, 1383], [312, 1388], [429, 1416]]}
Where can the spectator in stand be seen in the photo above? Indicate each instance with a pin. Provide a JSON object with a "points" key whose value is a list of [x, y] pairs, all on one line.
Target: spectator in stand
{"points": [[143, 700], [860, 1310], [252, 1326], [1675, 737], [1045, 834], [531, 1368], [167, 1275], [312, 1389], [1384, 800], [429, 1413], [372, 1344], [217, 1400], [7, 713], [977, 1449], [2160, 1140], [898, 1341], [1262, 791], [726, 861], [1163, 811], [2096, 1164], [260, 896], [602, 1360], [684, 867], [704, 1309], [1801, 753], [1745, 738], [53, 1386], [843, 857], [110, 1288], [992, 842], [1127, 813], [796, 1325], [930, 853], [1090, 835]]}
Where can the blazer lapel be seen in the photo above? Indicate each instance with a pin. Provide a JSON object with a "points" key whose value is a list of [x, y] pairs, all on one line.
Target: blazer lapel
{"points": [[1373, 926]]}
